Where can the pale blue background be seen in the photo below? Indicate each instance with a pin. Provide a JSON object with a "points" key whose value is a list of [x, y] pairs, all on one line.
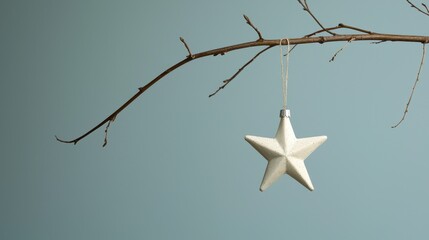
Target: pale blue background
{"points": [[176, 166]]}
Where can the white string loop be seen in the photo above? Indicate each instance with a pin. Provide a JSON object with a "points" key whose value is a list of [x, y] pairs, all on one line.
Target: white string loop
{"points": [[285, 74]]}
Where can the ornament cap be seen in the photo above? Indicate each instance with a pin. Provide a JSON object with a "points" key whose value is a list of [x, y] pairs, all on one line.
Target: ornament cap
{"points": [[285, 113]]}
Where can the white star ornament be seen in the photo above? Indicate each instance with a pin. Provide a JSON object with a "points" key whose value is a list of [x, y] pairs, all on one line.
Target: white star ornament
{"points": [[285, 153]]}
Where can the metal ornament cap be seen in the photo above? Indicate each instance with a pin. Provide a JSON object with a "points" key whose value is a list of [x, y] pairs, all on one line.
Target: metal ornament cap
{"points": [[284, 113], [285, 153]]}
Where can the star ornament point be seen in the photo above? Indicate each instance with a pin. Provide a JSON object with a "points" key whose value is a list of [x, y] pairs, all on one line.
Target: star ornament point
{"points": [[285, 154]]}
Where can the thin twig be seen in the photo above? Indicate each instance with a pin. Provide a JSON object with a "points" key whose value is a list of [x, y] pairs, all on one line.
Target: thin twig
{"points": [[253, 26], [341, 49], [307, 9], [187, 48], [340, 26], [414, 87], [420, 10], [284, 55], [427, 9], [227, 81], [322, 30], [378, 42], [105, 133]]}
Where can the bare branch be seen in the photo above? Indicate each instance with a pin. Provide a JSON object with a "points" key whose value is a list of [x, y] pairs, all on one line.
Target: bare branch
{"points": [[414, 87], [419, 9], [187, 47], [263, 42], [341, 49], [307, 9], [253, 26], [227, 81]]}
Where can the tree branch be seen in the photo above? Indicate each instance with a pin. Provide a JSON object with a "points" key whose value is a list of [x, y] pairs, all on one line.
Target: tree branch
{"points": [[258, 43]]}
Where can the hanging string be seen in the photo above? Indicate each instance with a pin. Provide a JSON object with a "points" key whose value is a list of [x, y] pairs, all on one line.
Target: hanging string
{"points": [[285, 73]]}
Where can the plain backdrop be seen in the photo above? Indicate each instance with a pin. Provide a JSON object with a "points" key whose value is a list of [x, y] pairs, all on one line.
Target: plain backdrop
{"points": [[176, 165]]}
